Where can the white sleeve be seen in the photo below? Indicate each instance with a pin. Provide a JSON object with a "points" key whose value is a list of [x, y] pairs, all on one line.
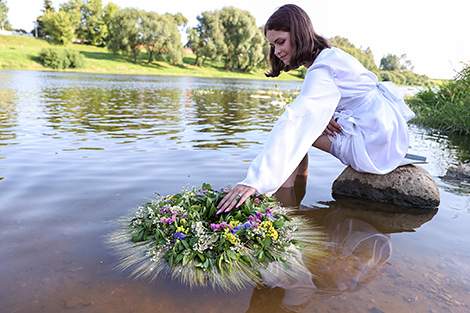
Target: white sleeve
{"points": [[303, 121]]}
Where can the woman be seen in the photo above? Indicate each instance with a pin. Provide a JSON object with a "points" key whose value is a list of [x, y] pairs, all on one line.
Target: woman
{"points": [[341, 109]]}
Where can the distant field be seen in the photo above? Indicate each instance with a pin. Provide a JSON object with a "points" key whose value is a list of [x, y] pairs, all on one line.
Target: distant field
{"points": [[22, 53]]}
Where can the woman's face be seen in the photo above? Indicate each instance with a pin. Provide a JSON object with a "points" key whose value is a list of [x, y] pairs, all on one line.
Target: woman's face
{"points": [[280, 41]]}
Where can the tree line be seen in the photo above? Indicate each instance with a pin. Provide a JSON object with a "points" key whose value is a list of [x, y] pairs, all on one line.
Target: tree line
{"points": [[228, 35]]}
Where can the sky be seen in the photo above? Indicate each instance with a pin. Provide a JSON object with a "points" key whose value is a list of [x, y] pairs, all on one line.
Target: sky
{"points": [[434, 34]]}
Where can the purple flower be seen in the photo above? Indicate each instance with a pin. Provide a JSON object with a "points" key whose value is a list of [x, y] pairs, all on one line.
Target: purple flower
{"points": [[184, 216], [268, 215], [179, 235], [215, 226], [237, 229], [247, 225]]}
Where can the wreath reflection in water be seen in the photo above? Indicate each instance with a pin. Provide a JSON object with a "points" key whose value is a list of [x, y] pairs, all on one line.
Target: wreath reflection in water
{"points": [[181, 236]]}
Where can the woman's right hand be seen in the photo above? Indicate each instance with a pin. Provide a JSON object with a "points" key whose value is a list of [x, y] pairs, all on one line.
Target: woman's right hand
{"points": [[235, 198]]}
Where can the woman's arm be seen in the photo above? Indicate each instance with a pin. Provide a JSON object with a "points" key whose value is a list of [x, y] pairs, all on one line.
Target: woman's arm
{"points": [[301, 124]]}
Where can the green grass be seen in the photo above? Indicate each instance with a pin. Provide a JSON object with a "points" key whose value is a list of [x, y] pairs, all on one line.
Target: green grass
{"points": [[22, 53], [446, 107]]}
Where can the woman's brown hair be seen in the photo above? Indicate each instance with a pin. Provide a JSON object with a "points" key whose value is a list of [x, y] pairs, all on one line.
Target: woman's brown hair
{"points": [[306, 44]]}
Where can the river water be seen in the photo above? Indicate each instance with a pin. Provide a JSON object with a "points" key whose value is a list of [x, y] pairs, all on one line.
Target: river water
{"points": [[78, 151]]}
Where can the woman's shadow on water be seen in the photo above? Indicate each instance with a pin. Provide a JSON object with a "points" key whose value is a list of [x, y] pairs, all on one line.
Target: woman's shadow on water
{"points": [[358, 249]]}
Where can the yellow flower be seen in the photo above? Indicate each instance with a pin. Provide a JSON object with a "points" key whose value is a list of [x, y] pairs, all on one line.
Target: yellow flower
{"points": [[181, 229], [232, 238], [234, 223], [270, 230]]}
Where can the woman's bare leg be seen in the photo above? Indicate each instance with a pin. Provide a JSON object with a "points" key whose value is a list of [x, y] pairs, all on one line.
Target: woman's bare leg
{"points": [[287, 194], [323, 143], [302, 170]]}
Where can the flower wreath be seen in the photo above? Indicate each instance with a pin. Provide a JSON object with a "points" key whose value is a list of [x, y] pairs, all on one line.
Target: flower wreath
{"points": [[182, 235]]}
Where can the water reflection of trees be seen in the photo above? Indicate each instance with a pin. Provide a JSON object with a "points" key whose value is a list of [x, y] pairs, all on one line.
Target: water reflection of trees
{"points": [[223, 115], [227, 114], [231, 112], [120, 113], [7, 116]]}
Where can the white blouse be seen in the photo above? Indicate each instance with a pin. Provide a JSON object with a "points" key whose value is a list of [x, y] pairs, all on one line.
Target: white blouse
{"points": [[372, 117]]}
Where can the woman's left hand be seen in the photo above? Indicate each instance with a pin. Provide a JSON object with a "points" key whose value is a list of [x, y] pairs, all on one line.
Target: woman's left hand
{"points": [[235, 198], [332, 128]]}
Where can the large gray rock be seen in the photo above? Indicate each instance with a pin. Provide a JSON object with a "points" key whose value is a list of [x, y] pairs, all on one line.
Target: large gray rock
{"points": [[408, 185]]}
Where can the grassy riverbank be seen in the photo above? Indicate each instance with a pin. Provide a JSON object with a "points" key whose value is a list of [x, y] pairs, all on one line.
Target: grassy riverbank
{"points": [[446, 107], [22, 53]]}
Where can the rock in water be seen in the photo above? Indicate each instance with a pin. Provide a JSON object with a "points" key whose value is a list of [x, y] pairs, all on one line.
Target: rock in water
{"points": [[458, 174], [408, 185]]}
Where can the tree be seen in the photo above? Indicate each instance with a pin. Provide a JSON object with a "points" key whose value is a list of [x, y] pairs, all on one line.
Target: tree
{"points": [[125, 32], [40, 30], [59, 25], [73, 8], [161, 36], [92, 28], [207, 38], [152, 24], [239, 28], [390, 62], [257, 52], [173, 49], [364, 56], [108, 13], [4, 23]]}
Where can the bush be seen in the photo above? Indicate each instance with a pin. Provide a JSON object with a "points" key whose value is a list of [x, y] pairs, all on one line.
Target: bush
{"points": [[77, 60], [59, 59]]}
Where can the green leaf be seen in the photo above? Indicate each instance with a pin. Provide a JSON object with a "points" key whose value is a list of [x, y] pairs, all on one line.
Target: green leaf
{"points": [[247, 210], [185, 244], [266, 242], [185, 259], [208, 203], [222, 241], [233, 255], [261, 256], [207, 265], [201, 256], [140, 234], [279, 224], [245, 258], [269, 255], [212, 211], [179, 258]]}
